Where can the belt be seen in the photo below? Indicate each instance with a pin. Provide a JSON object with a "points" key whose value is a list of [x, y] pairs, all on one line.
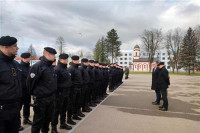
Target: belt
{"points": [[8, 106]]}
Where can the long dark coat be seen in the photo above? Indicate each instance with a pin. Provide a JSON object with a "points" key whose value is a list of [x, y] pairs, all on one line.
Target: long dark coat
{"points": [[155, 74], [163, 79]]}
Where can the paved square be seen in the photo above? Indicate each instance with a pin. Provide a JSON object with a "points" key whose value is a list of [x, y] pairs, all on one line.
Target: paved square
{"points": [[129, 109]]}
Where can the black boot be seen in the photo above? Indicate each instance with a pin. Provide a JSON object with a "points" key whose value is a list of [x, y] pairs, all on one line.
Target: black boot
{"points": [[80, 114], [65, 126], [27, 121], [70, 121], [75, 117], [54, 129], [21, 128]]}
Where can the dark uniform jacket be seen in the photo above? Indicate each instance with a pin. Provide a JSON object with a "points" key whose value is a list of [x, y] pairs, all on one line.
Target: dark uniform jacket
{"points": [[155, 74], [163, 79], [75, 76], [63, 77], [10, 79], [96, 74], [25, 67], [42, 80], [111, 73], [91, 74], [84, 74]]}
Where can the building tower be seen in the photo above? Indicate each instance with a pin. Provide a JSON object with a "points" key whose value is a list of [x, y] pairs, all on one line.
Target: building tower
{"points": [[136, 52]]}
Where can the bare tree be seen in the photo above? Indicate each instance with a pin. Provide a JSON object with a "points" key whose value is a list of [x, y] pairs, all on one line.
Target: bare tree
{"points": [[60, 43], [151, 40], [173, 41], [32, 51]]}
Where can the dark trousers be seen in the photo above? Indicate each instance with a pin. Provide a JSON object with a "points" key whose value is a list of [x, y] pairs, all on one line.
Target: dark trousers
{"points": [[10, 119], [25, 103], [42, 114], [85, 95], [97, 87], [158, 96], [62, 103], [164, 97], [76, 100], [93, 92], [111, 84]]}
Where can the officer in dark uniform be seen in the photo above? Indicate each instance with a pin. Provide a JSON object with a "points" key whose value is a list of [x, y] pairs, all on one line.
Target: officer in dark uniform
{"points": [[91, 84], [97, 81], [62, 100], [111, 77], [163, 84], [76, 79], [102, 83], [26, 97], [106, 78], [10, 86], [85, 87], [42, 84]]}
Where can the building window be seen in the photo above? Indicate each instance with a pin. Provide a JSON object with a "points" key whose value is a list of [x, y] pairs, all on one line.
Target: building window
{"points": [[125, 58], [144, 54], [144, 66], [140, 66], [121, 63], [130, 54], [163, 58], [130, 58], [125, 62], [163, 54], [168, 67], [125, 54], [130, 62], [121, 58], [135, 66]]}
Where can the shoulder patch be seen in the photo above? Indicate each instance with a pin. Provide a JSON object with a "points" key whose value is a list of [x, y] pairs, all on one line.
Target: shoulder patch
{"points": [[32, 75]]}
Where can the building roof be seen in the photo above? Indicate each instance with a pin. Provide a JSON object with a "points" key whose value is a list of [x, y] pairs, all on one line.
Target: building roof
{"points": [[141, 60], [136, 46]]}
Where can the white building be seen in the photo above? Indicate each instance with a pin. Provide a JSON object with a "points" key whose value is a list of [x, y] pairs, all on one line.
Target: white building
{"points": [[126, 59], [128, 56]]}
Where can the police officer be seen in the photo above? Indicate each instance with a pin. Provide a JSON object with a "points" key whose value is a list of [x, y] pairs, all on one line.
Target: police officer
{"points": [[126, 72], [85, 87], [76, 79], [62, 100], [163, 84], [91, 85], [42, 84], [111, 77], [10, 88], [97, 81], [26, 97]]}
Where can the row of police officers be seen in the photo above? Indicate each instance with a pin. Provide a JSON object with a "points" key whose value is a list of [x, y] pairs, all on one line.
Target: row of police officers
{"points": [[59, 93]]}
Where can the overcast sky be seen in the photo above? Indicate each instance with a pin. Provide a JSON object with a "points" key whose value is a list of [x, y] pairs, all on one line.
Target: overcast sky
{"points": [[83, 22]]}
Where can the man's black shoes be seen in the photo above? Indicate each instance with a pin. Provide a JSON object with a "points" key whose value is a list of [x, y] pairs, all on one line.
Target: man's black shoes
{"points": [[27, 121], [65, 126]]}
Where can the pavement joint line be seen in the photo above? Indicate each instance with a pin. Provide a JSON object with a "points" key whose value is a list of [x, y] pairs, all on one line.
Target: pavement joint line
{"points": [[92, 111], [153, 110], [82, 119]]}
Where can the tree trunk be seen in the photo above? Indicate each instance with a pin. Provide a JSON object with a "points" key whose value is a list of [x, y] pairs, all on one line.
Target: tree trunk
{"points": [[189, 70]]}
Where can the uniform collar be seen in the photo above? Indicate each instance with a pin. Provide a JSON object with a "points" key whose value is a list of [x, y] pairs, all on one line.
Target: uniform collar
{"points": [[62, 65], [5, 57], [25, 64]]}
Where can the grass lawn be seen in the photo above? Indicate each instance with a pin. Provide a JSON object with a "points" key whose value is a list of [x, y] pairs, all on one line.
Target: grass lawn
{"points": [[170, 73]]}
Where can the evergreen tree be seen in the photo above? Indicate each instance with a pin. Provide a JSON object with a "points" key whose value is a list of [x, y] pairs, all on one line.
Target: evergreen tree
{"points": [[188, 51], [113, 44]]}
